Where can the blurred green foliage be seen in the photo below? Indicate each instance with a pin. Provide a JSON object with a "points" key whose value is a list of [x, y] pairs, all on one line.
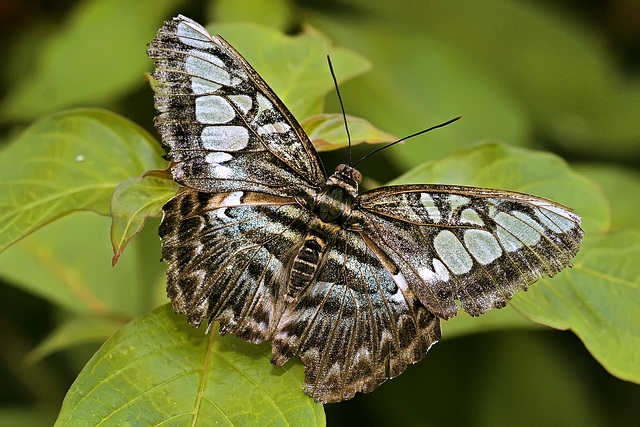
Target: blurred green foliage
{"points": [[559, 77]]}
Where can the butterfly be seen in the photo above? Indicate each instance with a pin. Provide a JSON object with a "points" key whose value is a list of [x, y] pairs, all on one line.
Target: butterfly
{"points": [[262, 241]]}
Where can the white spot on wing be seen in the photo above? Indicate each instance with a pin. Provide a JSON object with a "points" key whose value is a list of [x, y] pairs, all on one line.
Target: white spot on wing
{"points": [[432, 209], [207, 67], [427, 275], [470, 216], [218, 157], [201, 86], [441, 270], [523, 227], [213, 109], [508, 241], [233, 199], [192, 37], [270, 128], [452, 253], [456, 201], [263, 103], [220, 172], [243, 102], [227, 138], [482, 245], [401, 282], [557, 218]]}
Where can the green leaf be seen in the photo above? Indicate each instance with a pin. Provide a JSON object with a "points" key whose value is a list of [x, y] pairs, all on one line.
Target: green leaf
{"points": [[327, 132], [68, 264], [133, 201], [622, 188], [96, 57], [493, 165], [80, 330], [294, 67], [597, 299], [69, 161], [158, 370], [274, 13]]}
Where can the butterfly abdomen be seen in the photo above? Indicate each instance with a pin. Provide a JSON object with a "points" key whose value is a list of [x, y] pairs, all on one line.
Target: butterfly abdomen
{"points": [[305, 265]]}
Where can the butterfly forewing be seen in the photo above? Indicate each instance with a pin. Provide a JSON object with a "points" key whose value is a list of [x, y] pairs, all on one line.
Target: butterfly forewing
{"points": [[475, 245], [221, 122], [263, 242]]}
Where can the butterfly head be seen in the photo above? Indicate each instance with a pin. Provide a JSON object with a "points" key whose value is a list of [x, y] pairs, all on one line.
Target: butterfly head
{"points": [[349, 176], [346, 178]]}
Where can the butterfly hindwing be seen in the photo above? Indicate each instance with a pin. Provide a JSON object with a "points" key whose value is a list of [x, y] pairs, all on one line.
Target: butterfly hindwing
{"points": [[356, 325], [220, 121], [475, 245], [226, 253]]}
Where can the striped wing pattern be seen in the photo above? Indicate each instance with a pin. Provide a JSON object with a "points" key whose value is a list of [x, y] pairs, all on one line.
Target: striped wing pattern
{"points": [[226, 253], [263, 242], [354, 327]]}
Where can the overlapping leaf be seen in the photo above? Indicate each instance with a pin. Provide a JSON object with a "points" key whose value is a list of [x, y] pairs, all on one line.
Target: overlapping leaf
{"points": [[79, 330], [69, 161], [597, 299], [159, 370], [327, 131], [622, 189], [133, 201]]}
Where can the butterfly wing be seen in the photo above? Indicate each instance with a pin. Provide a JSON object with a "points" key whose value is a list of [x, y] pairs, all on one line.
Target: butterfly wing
{"points": [[474, 245], [224, 127], [354, 326], [226, 254]]}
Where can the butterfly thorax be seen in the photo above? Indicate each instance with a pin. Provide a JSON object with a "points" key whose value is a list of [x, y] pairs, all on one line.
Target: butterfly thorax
{"points": [[332, 211], [334, 203]]}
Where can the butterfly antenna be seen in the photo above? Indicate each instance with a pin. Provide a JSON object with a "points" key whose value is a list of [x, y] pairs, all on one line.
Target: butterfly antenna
{"points": [[407, 137], [344, 116]]}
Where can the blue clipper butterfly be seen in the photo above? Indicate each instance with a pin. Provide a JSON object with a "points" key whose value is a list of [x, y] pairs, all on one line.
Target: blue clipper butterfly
{"points": [[260, 240]]}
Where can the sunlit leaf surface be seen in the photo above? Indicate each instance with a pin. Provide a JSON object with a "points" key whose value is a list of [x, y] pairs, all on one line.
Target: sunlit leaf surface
{"points": [[159, 370]]}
